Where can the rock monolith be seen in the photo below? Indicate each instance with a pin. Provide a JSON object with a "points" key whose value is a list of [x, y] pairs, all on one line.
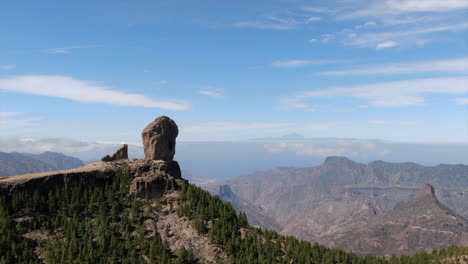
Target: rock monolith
{"points": [[159, 139]]}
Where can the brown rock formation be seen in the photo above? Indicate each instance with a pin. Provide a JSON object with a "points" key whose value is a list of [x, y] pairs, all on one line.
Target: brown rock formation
{"points": [[121, 153], [155, 178], [159, 139], [428, 190]]}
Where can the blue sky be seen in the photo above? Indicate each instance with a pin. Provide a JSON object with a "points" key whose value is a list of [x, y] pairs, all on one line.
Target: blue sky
{"points": [[395, 70]]}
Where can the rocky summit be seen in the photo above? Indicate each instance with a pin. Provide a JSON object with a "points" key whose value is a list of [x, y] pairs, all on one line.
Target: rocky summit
{"points": [[153, 177], [159, 139], [121, 153]]}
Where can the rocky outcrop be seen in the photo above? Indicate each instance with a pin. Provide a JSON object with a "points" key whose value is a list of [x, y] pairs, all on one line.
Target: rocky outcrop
{"points": [[428, 190], [154, 178], [95, 174], [121, 153], [159, 139]]}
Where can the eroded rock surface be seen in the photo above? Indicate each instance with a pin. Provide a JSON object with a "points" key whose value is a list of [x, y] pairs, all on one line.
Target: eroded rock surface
{"points": [[121, 153], [154, 178], [159, 139]]}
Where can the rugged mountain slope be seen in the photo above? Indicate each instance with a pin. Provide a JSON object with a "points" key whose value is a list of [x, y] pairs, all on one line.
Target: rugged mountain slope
{"points": [[93, 215], [15, 163], [409, 227], [22, 163], [315, 202]]}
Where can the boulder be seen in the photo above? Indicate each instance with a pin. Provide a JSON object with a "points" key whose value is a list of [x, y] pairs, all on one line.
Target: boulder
{"points": [[121, 153], [159, 139]]}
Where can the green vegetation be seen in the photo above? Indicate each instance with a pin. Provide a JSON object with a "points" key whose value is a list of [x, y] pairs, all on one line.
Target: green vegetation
{"points": [[85, 224], [82, 224], [260, 246]]}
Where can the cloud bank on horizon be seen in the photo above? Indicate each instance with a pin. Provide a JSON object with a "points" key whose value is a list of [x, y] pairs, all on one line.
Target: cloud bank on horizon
{"points": [[210, 158], [388, 69]]}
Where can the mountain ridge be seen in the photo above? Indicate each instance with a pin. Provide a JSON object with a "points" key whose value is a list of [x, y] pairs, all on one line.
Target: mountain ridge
{"points": [[16, 163], [315, 202]]}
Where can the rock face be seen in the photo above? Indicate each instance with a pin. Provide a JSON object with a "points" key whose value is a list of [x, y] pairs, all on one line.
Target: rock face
{"points": [[154, 178], [428, 190], [121, 153], [159, 139]]}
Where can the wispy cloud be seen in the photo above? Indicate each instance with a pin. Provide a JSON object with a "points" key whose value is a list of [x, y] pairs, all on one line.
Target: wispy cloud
{"points": [[395, 7], [317, 9], [7, 67], [293, 103], [313, 18], [461, 100], [398, 93], [66, 50], [210, 93], [449, 65], [81, 149], [82, 91], [302, 63], [387, 44], [264, 25], [388, 36]]}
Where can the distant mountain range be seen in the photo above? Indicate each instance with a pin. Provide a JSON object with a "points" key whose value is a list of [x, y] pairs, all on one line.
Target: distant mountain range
{"points": [[342, 201], [22, 163]]}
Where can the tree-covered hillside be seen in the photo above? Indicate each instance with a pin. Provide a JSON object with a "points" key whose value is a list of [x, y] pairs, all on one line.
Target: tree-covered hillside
{"points": [[104, 224]]}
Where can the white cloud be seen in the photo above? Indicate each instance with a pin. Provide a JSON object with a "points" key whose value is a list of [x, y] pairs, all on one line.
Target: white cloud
{"points": [[7, 67], [295, 104], [314, 18], [66, 50], [327, 148], [449, 65], [461, 100], [387, 44], [210, 93], [398, 93], [370, 39], [370, 24], [301, 63], [316, 9], [396, 7], [312, 40], [264, 25], [82, 91], [81, 149], [328, 37]]}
